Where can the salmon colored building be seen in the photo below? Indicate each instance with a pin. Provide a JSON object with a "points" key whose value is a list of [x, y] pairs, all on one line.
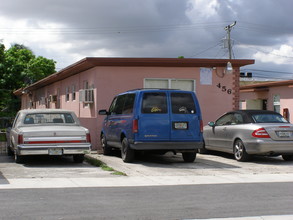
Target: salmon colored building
{"points": [[90, 85], [275, 96]]}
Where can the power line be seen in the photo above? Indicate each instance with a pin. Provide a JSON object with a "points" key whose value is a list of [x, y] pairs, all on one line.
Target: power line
{"points": [[112, 30], [206, 50]]}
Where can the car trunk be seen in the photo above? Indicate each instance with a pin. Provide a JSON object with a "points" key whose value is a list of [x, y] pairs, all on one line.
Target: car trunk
{"points": [[60, 134], [283, 132]]}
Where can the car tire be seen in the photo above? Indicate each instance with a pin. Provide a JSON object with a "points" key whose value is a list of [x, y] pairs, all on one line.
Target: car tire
{"points": [[287, 157], [127, 153], [240, 153], [9, 151], [78, 158], [189, 157], [106, 149], [18, 158]]}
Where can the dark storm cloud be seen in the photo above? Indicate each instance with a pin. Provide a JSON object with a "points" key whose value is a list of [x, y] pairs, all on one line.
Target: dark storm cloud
{"points": [[158, 28]]}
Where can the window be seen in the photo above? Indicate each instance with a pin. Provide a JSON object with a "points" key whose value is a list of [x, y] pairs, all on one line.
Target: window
{"points": [[73, 93], [122, 104], [84, 96], [154, 103], [224, 120], [182, 103], [45, 118], [277, 103], [183, 84], [128, 105], [268, 118], [117, 105], [67, 94], [156, 83], [230, 119], [238, 119]]}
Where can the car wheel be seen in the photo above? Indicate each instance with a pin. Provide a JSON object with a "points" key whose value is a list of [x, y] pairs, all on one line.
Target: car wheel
{"points": [[287, 157], [9, 151], [127, 153], [106, 149], [240, 151], [189, 157], [18, 158], [79, 158]]}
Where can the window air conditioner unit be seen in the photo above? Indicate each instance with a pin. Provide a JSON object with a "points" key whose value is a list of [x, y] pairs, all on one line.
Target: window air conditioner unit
{"points": [[86, 96]]}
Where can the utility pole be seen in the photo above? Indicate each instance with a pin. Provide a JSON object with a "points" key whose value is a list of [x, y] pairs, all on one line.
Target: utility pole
{"points": [[228, 38]]}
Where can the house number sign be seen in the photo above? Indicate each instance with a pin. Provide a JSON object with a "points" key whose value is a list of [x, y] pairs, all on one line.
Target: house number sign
{"points": [[224, 88]]}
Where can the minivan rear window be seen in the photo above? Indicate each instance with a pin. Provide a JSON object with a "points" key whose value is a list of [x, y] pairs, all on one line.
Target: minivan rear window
{"points": [[154, 103], [182, 103]]}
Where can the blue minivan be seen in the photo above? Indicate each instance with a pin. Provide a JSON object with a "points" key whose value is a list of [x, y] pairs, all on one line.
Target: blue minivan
{"points": [[159, 120]]}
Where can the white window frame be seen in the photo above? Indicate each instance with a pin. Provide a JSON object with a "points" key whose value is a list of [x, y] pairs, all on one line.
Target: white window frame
{"points": [[170, 82]]}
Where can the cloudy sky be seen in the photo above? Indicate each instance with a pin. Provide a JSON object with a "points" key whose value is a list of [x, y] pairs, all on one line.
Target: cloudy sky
{"points": [[69, 30]]}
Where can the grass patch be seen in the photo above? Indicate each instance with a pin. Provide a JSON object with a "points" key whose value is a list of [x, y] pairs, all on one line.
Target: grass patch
{"points": [[105, 167]]}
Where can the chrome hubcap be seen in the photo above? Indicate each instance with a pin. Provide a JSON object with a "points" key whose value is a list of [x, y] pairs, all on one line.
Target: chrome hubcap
{"points": [[238, 150]]}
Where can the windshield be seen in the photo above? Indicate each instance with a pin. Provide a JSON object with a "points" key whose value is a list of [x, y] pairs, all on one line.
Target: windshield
{"points": [[269, 118], [45, 118]]}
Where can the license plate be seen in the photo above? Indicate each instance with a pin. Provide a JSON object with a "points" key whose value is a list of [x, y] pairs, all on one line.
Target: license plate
{"points": [[55, 151], [284, 133], [181, 125]]}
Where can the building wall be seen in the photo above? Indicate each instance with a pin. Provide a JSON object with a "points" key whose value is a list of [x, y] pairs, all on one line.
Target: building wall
{"points": [[114, 80], [285, 93], [216, 98]]}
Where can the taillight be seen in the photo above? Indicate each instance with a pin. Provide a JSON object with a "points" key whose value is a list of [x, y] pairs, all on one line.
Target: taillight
{"points": [[260, 133], [20, 139], [88, 137], [201, 126], [135, 126]]}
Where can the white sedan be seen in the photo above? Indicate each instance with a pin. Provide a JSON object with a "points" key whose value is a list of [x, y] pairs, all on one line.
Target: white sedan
{"points": [[48, 132]]}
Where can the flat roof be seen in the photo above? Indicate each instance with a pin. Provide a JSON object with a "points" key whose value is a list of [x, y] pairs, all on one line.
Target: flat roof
{"points": [[265, 85], [91, 62]]}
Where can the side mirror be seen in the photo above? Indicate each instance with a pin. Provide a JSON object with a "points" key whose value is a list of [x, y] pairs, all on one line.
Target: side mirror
{"points": [[103, 112], [212, 124]]}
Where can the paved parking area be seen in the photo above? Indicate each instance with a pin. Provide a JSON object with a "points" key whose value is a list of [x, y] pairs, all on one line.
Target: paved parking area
{"points": [[146, 170], [213, 164]]}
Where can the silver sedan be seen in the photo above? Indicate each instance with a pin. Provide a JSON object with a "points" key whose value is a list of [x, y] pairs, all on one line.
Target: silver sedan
{"points": [[250, 132]]}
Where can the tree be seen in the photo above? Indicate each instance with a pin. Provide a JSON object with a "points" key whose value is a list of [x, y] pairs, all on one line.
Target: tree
{"points": [[39, 68], [19, 67]]}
